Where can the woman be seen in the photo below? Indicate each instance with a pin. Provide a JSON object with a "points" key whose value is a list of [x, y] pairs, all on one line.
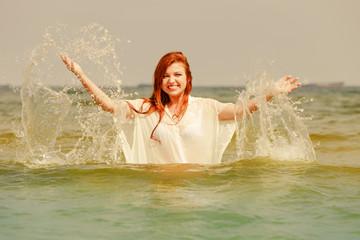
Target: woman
{"points": [[171, 126]]}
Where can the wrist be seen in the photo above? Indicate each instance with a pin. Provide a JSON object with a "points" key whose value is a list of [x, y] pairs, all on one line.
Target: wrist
{"points": [[269, 96], [272, 92]]}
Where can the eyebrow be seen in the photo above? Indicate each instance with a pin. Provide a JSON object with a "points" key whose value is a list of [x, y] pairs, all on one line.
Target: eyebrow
{"points": [[176, 72]]}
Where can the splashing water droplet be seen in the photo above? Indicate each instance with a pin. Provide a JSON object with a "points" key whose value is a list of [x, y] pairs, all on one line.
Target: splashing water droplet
{"points": [[51, 136], [276, 130]]}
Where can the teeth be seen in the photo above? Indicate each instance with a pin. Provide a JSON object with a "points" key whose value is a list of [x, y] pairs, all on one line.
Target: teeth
{"points": [[172, 87]]}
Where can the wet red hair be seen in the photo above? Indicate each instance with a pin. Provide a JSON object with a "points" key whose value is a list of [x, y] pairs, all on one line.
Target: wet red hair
{"points": [[159, 98]]}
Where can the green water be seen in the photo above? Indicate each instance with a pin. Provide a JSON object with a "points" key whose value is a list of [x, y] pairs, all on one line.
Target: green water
{"points": [[258, 198], [249, 200]]}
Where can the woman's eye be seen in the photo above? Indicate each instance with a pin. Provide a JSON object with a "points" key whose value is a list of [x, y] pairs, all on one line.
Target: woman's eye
{"points": [[178, 74]]}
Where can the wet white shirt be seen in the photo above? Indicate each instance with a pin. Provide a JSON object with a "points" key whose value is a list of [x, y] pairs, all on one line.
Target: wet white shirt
{"points": [[199, 137]]}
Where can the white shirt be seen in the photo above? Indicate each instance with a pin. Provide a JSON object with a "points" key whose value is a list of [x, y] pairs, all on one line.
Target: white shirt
{"points": [[199, 137]]}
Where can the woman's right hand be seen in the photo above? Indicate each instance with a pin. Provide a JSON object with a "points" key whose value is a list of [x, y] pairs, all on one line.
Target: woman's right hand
{"points": [[96, 93], [71, 65]]}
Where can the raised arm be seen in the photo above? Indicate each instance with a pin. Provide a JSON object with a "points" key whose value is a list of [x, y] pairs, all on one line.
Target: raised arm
{"points": [[96, 93], [284, 85]]}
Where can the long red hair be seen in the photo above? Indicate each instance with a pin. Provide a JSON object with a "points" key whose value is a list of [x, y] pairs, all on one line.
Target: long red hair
{"points": [[159, 98]]}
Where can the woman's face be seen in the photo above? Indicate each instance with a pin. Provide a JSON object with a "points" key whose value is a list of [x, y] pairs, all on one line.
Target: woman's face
{"points": [[174, 81]]}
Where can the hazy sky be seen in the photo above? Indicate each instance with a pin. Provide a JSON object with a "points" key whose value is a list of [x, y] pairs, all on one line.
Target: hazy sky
{"points": [[318, 40]]}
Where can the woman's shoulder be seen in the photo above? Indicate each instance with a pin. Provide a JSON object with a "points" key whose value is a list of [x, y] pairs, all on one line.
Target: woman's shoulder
{"points": [[208, 103], [202, 100], [137, 103]]}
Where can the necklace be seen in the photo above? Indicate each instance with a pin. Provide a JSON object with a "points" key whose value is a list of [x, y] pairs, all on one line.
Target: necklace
{"points": [[178, 113], [176, 117]]}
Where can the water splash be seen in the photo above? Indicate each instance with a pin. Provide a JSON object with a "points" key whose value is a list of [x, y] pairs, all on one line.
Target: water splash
{"points": [[276, 130], [65, 127], [49, 135]]}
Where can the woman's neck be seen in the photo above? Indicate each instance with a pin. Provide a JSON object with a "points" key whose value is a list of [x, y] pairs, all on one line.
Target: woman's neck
{"points": [[174, 105], [175, 101]]}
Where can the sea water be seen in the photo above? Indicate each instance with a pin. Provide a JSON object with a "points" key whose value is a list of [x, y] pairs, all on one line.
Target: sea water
{"points": [[63, 176]]}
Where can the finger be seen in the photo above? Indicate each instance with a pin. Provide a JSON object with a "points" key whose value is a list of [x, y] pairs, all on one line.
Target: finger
{"points": [[67, 63], [295, 86], [63, 56], [285, 78], [65, 59], [294, 80]]}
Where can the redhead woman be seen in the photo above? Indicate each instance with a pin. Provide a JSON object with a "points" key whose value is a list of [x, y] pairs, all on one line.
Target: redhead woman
{"points": [[171, 126]]}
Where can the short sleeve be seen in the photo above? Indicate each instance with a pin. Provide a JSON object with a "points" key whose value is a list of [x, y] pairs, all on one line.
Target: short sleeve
{"points": [[120, 109], [122, 106], [217, 106], [224, 130]]}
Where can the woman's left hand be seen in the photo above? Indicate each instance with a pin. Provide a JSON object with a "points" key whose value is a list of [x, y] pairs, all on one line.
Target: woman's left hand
{"points": [[285, 85]]}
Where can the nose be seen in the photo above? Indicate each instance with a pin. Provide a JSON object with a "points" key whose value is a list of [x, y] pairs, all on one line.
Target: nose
{"points": [[172, 79]]}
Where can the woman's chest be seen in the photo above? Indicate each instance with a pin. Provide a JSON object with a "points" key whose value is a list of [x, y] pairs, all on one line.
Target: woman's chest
{"points": [[192, 128]]}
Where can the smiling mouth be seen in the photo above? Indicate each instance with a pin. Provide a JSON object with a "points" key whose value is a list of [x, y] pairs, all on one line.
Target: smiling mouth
{"points": [[172, 87]]}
